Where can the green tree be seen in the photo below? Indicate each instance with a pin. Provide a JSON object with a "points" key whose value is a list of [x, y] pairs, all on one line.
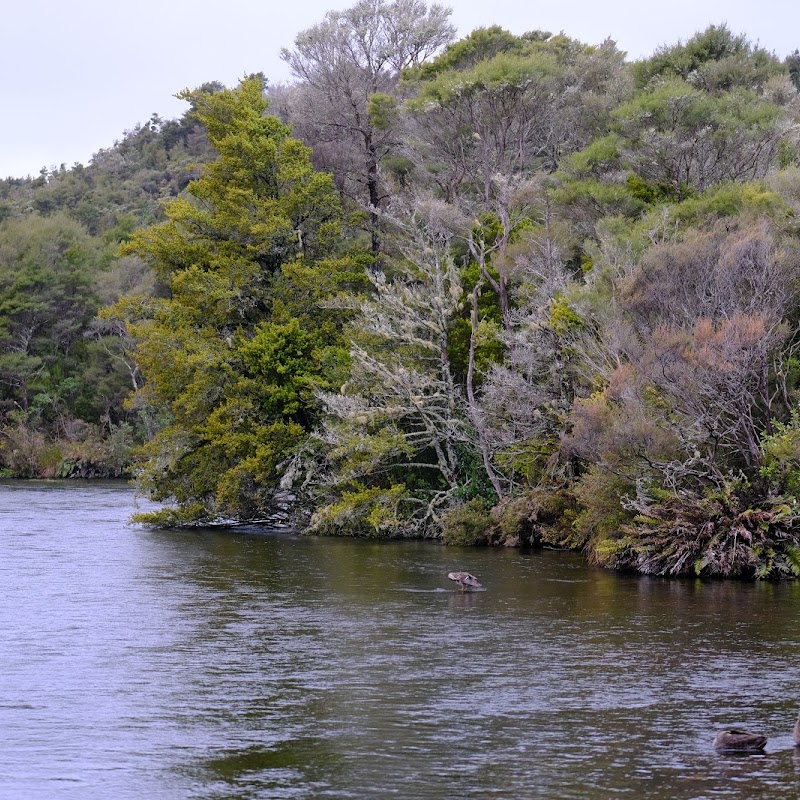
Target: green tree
{"points": [[47, 267], [229, 368], [713, 59]]}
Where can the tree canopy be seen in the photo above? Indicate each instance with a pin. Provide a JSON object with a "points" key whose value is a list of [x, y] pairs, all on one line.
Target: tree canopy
{"points": [[229, 368]]}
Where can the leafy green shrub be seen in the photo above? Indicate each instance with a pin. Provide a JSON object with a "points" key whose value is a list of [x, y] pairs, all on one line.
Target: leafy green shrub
{"points": [[601, 517], [467, 525], [726, 530], [781, 456], [366, 511]]}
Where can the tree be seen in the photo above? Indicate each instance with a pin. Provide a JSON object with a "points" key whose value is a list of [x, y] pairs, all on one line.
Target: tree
{"points": [[713, 59], [46, 300], [793, 66], [484, 132], [348, 66], [510, 113], [526, 398], [713, 110], [676, 135], [396, 431], [229, 369]]}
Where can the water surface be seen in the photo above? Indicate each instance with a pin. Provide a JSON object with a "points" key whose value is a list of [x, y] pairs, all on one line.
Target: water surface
{"points": [[250, 664]]}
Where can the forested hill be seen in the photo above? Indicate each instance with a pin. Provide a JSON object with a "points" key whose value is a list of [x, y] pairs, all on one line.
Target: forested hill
{"points": [[504, 289], [65, 374]]}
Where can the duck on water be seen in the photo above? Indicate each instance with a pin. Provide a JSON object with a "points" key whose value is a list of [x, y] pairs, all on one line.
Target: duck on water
{"points": [[465, 580], [738, 740], [741, 741]]}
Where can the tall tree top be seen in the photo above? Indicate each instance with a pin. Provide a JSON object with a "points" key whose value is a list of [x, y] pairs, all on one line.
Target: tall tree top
{"points": [[374, 36], [712, 59]]}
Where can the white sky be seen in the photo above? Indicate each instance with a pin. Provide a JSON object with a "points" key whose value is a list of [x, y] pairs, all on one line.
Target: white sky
{"points": [[78, 73]]}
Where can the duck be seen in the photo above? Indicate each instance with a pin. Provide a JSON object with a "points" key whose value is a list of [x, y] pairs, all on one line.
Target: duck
{"points": [[796, 731], [738, 740], [465, 580]]}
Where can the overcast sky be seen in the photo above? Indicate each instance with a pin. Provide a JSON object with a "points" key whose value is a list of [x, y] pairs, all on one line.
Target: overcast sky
{"points": [[78, 73]]}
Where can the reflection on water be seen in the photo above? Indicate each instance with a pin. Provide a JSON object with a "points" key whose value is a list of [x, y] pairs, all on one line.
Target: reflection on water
{"points": [[213, 664]]}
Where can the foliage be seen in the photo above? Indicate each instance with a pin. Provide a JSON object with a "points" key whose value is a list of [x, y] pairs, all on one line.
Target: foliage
{"points": [[234, 375], [717, 532], [480, 45], [691, 390], [400, 412], [374, 511], [714, 59], [122, 186], [714, 110], [780, 463], [507, 106], [344, 105], [467, 525], [56, 382]]}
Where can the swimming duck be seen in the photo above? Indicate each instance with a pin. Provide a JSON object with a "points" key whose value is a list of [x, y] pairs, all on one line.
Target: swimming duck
{"points": [[736, 739], [464, 580], [796, 731]]}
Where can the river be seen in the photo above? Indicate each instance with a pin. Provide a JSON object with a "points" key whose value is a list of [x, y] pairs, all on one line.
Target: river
{"points": [[251, 664]]}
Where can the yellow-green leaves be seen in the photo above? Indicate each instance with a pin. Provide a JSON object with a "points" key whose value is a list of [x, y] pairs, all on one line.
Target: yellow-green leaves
{"points": [[235, 386]]}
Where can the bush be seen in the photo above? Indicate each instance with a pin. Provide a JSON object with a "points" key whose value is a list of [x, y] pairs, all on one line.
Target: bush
{"points": [[545, 516], [467, 525], [730, 530], [371, 512]]}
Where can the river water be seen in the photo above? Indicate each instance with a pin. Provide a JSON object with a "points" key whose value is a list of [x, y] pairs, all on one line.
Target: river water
{"points": [[249, 664]]}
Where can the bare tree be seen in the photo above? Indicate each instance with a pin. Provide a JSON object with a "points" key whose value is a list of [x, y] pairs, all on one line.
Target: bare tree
{"points": [[401, 408], [344, 63]]}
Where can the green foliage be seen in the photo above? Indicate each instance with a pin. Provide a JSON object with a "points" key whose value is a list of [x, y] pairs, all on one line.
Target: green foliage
{"points": [[54, 378], [714, 58], [679, 135], [64, 228], [598, 524], [81, 449], [173, 517], [279, 362], [480, 45], [672, 140], [383, 110], [781, 456], [596, 159], [227, 355], [729, 199], [467, 525], [367, 511], [653, 193], [719, 532], [563, 318], [152, 161]]}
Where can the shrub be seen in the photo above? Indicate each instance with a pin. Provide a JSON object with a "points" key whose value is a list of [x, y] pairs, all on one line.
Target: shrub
{"points": [[467, 525]]}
